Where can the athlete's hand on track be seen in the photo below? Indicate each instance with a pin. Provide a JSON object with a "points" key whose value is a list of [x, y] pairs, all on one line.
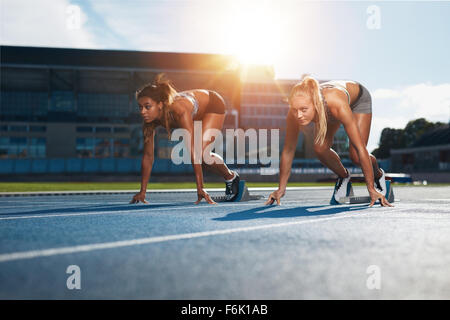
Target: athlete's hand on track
{"points": [[139, 197], [375, 195], [275, 196], [203, 194]]}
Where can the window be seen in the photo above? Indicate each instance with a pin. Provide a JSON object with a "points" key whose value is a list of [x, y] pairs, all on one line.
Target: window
{"points": [[16, 147], [84, 147], [24, 103], [4, 144], [62, 101], [102, 129], [121, 130], [85, 129], [121, 148], [103, 148], [103, 105], [18, 128], [38, 128], [94, 147], [37, 147]]}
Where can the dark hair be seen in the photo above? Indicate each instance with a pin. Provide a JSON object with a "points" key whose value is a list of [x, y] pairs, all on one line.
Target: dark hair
{"points": [[160, 90]]}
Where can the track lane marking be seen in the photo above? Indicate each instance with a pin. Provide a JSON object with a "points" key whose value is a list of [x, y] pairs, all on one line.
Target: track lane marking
{"points": [[127, 243]]}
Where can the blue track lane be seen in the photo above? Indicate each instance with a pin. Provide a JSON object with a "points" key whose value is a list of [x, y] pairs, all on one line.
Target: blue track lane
{"points": [[173, 249]]}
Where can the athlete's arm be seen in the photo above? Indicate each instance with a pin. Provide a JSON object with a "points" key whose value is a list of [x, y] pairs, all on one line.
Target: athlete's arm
{"points": [[290, 144], [147, 160], [146, 166]]}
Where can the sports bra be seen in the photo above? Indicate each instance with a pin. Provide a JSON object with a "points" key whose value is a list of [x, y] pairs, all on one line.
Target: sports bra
{"points": [[191, 98], [338, 84]]}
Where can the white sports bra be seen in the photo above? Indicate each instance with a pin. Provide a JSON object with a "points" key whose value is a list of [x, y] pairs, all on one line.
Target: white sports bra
{"points": [[338, 84], [191, 98]]}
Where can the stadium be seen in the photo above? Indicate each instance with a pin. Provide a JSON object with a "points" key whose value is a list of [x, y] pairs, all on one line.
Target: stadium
{"points": [[79, 220]]}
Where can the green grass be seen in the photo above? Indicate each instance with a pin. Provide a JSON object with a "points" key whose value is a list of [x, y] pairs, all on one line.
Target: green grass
{"points": [[88, 186]]}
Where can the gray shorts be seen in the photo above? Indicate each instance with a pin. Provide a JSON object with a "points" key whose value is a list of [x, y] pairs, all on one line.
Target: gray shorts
{"points": [[363, 103]]}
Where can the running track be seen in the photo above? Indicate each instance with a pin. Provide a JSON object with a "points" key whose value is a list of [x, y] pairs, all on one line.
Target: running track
{"points": [[173, 249]]}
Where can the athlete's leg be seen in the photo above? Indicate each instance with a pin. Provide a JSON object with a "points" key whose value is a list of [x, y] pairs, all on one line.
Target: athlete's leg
{"points": [[363, 121], [214, 121]]}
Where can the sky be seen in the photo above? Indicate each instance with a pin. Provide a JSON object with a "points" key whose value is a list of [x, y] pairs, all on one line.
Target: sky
{"points": [[399, 50]]}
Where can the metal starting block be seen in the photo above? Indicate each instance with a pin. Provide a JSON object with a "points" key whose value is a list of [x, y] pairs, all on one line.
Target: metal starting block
{"points": [[364, 199], [243, 195]]}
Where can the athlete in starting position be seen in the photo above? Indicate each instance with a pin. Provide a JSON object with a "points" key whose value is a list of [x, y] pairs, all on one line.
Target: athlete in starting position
{"points": [[328, 105], [161, 105]]}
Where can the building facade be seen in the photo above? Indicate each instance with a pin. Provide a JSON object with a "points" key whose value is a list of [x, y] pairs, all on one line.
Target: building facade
{"points": [[72, 103], [431, 153], [74, 110]]}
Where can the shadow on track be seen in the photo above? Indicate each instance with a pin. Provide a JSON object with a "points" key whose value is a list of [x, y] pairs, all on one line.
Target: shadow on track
{"points": [[97, 208], [280, 212]]}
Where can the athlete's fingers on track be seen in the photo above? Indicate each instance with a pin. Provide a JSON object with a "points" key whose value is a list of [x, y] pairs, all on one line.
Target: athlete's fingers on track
{"points": [[270, 201], [209, 200], [386, 203]]}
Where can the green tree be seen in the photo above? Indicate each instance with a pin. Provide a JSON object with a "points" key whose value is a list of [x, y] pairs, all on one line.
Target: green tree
{"points": [[416, 128], [403, 138], [389, 139]]}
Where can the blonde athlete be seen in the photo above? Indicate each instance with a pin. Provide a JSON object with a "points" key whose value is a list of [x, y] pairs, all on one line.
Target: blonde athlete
{"points": [[328, 105]]}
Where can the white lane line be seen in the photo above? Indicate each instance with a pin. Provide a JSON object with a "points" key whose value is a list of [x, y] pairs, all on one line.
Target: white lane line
{"points": [[127, 243], [150, 210]]}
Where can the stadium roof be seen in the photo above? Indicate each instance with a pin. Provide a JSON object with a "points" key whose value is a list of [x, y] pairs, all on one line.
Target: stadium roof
{"points": [[114, 58]]}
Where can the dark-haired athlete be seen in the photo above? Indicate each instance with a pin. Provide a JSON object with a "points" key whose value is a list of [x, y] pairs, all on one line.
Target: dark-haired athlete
{"points": [[161, 105]]}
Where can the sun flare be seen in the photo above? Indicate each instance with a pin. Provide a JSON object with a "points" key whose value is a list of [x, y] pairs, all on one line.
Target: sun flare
{"points": [[254, 34]]}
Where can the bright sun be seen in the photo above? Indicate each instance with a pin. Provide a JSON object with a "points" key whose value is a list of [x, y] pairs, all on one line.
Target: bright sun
{"points": [[254, 34]]}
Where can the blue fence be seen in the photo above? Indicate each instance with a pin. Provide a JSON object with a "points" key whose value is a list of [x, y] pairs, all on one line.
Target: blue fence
{"points": [[314, 163], [132, 166], [88, 166]]}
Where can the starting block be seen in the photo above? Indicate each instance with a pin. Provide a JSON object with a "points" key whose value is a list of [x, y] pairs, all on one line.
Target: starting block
{"points": [[243, 195], [351, 199]]}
